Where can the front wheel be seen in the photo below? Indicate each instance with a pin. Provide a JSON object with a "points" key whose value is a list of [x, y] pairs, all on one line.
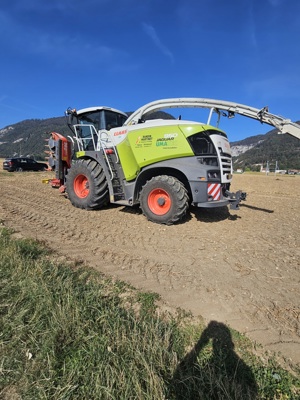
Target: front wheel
{"points": [[86, 185], [164, 200]]}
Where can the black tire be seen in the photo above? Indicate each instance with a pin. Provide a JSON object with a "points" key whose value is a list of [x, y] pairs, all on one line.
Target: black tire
{"points": [[86, 185], [164, 200], [19, 169]]}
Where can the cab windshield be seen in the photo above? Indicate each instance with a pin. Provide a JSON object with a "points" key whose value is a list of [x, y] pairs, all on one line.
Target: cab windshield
{"points": [[89, 125], [103, 119]]}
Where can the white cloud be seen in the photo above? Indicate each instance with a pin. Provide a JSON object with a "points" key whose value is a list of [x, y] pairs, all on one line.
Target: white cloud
{"points": [[59, 48], [250, 25], [276, 86], [37, 5], [67, 6], [275, 3], [151, 32]]}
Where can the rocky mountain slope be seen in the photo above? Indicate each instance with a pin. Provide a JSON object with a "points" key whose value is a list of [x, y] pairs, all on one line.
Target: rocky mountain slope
{"points": [[271, 147]]}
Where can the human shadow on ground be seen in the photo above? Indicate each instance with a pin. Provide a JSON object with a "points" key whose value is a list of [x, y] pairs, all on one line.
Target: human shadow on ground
{"points": [[218, 374]]}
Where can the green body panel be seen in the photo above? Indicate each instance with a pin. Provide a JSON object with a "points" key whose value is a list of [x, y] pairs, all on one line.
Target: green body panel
{"points": [[128, 161], [80, 154], [152, 144], [149, 145], [189, 130]]}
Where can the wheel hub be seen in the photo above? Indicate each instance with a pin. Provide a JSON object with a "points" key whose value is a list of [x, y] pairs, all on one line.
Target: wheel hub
{"points": [[161, 201], [81, 186]]}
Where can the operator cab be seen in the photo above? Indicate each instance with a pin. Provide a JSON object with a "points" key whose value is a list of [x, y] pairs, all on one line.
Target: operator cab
{"points": [[91, 126]]}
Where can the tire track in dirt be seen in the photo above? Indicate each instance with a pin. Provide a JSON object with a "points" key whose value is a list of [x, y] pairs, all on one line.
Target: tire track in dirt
{"points": [[241, 268], [78, 240]]}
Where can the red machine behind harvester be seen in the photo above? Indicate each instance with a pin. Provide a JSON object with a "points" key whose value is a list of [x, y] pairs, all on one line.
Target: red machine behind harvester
{"points": [[60, 156]]}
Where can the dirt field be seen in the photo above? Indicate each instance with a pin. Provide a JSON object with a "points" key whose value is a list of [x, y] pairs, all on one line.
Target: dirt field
{"points": [[237, 267]]}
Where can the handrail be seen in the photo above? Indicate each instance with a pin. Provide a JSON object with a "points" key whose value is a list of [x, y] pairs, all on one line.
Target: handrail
{"points": [[97, 146]]}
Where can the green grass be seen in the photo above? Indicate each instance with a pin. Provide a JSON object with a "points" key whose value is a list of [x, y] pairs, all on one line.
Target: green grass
{"points": [[68, 332]]}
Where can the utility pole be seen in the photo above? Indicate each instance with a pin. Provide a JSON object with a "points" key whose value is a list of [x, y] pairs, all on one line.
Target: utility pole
{"points": [[20, 147]]}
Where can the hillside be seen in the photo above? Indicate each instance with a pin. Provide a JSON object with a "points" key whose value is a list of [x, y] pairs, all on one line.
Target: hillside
{"points": [[271, 147], [28, 138]]}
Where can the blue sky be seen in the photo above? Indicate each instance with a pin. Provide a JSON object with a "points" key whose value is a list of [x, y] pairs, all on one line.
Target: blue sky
{"points": [[125, 53]]}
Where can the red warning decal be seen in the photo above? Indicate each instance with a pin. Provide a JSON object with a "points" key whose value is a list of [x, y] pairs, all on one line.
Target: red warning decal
{"points": [[214, 190]]}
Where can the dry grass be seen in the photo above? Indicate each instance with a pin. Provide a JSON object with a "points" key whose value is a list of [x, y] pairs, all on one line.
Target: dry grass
{"points": [[67, 335]]}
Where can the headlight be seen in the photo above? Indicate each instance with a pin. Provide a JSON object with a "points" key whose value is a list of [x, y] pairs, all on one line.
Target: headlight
{"points": [[213, 175]]}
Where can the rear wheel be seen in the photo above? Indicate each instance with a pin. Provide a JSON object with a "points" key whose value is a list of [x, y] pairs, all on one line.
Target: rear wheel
{"points": [[164, 200], [86, 185]]}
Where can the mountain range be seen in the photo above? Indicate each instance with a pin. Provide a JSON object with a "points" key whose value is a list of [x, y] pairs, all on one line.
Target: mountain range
{"points": [[29, 138], [281, 150]]}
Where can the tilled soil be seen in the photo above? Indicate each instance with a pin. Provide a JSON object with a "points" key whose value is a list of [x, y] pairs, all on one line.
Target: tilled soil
{"points": [[236, 267]]}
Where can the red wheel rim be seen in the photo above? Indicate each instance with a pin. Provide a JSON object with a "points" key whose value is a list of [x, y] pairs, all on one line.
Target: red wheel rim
{"points": [[159, 201], [81, 186]]}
